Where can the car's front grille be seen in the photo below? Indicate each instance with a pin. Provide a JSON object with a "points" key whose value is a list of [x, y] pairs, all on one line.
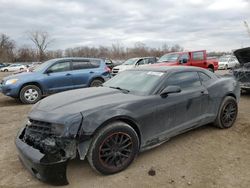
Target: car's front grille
{"points": [[115, 71], [39, 127]]}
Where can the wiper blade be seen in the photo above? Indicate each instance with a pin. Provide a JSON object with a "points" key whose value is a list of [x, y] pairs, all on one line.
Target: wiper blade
{"points": [[124, 90]]}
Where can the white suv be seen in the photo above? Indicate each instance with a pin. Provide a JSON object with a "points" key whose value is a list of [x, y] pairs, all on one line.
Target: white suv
{"points": [[133, 63]]}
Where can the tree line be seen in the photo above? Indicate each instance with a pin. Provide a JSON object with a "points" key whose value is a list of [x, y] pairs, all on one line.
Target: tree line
{"points": [[9, 52]]}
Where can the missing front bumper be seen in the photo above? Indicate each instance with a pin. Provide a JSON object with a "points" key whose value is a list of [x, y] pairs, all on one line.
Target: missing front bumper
{"points": [[39, 165]]}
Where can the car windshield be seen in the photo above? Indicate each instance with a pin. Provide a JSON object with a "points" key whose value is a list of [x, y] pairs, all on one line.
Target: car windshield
{"points": [[169, 58], [42, 66], [223, 59], [137, 82], [131, 61]]}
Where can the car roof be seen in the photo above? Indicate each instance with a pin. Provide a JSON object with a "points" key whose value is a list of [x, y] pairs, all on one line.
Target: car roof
{"points": [[76, 58]]}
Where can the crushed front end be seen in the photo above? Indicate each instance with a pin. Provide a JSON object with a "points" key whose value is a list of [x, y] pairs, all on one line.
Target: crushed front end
{"points": [[45, 152]]}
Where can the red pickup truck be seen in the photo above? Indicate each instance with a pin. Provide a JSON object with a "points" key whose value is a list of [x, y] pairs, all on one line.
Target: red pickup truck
{"points": [[193, 58]]}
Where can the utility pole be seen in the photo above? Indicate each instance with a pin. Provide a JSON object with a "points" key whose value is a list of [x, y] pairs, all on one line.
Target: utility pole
{"points": [[247, 27]]}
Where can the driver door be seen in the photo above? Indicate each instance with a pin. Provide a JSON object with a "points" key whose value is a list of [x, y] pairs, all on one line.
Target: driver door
{"points": [[58, 77], [181, 111]]}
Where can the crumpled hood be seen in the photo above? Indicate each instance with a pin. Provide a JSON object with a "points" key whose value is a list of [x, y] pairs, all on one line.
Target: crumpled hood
{"points": [[243, 55], [82, 100]]}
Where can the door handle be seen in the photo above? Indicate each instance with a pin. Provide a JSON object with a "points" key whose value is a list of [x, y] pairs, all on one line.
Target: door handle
{"points": [[68, 74], [91, 72]]}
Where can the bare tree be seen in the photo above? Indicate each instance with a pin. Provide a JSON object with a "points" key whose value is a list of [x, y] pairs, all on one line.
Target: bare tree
{"points": [[7, 47], [41, 39]]}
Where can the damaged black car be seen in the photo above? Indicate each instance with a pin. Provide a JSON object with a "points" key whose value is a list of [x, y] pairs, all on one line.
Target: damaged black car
{"points": [[242, 73], [134, 111]]}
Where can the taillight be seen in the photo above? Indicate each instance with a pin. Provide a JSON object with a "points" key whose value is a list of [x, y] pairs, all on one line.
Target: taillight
{"points": [[107, 69]]}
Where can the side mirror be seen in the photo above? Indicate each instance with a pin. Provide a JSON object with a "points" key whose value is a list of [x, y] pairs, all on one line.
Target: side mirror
{"points": [[170, 89], [183, 61], [48, 71]]}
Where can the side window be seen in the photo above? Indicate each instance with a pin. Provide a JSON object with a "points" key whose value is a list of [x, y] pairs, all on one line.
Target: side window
{"points": [[141, 62], [184, 57], [151, 60], [185, 80], [204, 77], [85, 64], [60, 67], [79, 65], [198, 55], [94, 64]]}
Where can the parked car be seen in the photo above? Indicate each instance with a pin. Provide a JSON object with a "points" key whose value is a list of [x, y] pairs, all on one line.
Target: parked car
{"points": [[109, 63], [192, 58], [134, 111], [228, 62], [54, 76], [133, 63], [2, 65], [13, 67], [243, 72], [28, 69]]}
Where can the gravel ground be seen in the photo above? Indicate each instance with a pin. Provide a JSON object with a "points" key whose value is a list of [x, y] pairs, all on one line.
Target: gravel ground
{"points": [[205, 157]]}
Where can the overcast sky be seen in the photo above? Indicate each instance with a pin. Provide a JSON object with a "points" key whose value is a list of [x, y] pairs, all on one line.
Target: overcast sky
{"points": [[194, 24]]}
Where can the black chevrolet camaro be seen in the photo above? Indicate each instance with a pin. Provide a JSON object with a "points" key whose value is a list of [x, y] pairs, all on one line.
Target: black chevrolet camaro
{"points": [[134, 111]]}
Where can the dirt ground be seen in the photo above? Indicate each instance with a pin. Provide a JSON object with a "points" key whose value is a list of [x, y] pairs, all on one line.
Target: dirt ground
{"points": [[206, 157]]}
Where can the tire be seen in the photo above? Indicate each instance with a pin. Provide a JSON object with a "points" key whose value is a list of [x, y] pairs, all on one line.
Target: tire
{"points": [[106, 155], [5, 70], [227, 113], [96, 83], [30, 94], [211, 69]]}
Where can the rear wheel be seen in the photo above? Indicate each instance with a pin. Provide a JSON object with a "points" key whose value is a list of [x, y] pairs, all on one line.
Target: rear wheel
{"points": [[227, 113], [113, 148], [96, 83], [30, 94]]}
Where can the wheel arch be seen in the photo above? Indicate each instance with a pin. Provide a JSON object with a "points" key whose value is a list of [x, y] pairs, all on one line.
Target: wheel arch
{"points": [[96, 78], [126, 119], [31, 83]]}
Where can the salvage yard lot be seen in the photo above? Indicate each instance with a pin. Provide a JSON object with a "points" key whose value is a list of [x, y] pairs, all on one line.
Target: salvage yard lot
{"points": [[205, 157]]}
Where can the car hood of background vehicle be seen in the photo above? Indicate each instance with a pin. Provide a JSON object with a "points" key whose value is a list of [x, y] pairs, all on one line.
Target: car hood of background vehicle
{"points": [[80, 100], [243, 55], [124, 67]]}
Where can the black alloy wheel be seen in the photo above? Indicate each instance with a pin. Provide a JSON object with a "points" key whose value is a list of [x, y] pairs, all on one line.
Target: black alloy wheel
{"points": [[113, 148], [227, 113]]}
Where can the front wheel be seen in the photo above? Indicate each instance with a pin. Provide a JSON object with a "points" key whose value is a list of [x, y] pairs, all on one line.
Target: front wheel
{"points": [[30, 94], [113, 148], [227, 113], [5, 70]]}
